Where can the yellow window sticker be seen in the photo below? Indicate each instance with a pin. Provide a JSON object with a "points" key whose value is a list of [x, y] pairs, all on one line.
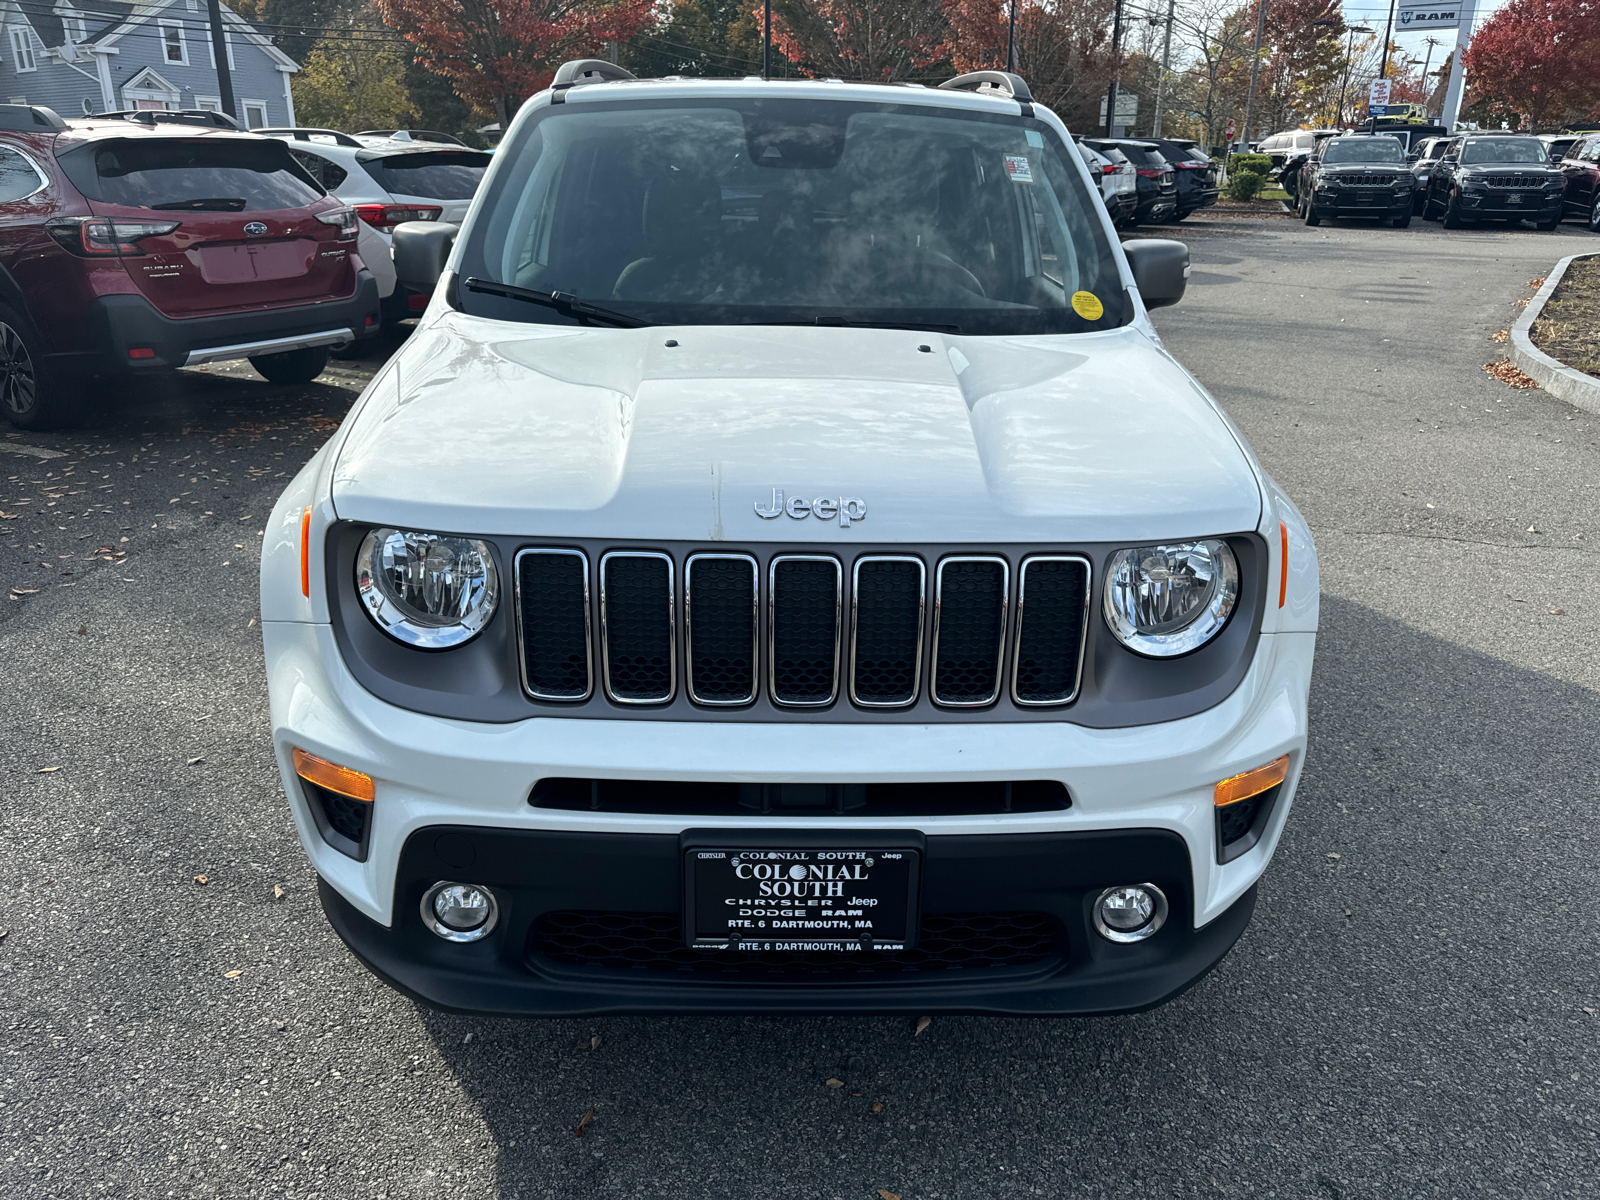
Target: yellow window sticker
{"points": [[1087, 305]]}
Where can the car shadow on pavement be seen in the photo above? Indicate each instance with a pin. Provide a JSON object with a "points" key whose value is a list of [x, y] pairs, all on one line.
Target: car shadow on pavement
{"points": [[1412, 1011]]}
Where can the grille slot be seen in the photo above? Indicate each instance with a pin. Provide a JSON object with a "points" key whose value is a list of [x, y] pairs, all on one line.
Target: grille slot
{"points": [[618, 942], [1517, 181], [720, 605], [804, 594], [636, 626], [969, 630], [886, 644], [1052, 626], [1369, 180], [553, 624]]}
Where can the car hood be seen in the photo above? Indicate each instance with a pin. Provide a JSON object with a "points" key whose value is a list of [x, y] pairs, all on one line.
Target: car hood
{"points": [[490, 427]]}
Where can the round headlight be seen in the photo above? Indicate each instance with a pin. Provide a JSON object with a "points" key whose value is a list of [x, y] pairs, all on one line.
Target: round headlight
{"points": [[1163, 601], [425, 589]]}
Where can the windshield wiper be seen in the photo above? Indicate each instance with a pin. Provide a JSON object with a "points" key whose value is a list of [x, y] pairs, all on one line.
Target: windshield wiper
{"points": [[210, 204], [564, 303]]}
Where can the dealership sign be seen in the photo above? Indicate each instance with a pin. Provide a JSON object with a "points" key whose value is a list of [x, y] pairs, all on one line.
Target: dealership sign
{"points": [[1427, 16]]}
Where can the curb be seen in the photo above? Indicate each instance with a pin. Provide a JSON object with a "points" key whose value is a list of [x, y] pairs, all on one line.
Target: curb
{"points": [[1563, 382]]}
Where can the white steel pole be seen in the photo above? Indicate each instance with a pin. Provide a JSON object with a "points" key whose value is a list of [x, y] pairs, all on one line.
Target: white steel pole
{"points": [[1452, 94]]}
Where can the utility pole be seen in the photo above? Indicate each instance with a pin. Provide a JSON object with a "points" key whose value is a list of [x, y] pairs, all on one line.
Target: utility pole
{"points": [[1116, 50], [219, 51], [1011, 40], [1427, 59], [1452, 93], [1255, 68], [1166, 68], [1388, 30], [1349, 52], [767, 40]]}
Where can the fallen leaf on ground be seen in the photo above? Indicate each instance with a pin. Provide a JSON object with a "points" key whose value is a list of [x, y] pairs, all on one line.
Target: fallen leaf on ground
{"points": [[1590, 1011], [886, 1194], [202, 880], [1503, 335], [6, 932], [594, 1042], [587, 1117], [1333, 856], [877, 1107], [199, 758], [1508, 374], [47, 770], [1536, 282], [1558, 612], [16, 591], [834, 1083], [232, 974], [922, 1023], [277, 892], [83, 630]]}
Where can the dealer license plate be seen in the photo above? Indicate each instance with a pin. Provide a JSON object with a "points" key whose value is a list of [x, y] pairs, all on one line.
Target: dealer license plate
{"points": [[802, 899], [1514, 198]]}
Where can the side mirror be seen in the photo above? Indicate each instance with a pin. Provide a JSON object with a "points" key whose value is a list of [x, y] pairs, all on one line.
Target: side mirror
{"points": [[1160, 270], [421, 249]]}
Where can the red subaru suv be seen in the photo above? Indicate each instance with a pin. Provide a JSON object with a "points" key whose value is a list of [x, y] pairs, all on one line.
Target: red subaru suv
{"points": [[129, 247]]}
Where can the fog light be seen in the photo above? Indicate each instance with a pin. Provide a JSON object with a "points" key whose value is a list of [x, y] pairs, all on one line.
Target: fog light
{"points": [[459, 912], [1131, 913]]}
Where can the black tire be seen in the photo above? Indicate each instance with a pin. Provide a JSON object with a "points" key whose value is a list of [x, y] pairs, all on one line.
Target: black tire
{"points": [[1419, 205], [1401, 221], [1452, 214], [1547, 226], [32, 394], [1309, 214], [1178, 216], [292, 366], [1594, 214]]}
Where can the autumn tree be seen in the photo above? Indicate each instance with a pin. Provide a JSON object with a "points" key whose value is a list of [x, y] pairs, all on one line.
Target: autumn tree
{"points": [[699, 38], [1063, 49], [856, 39], [1538, 61], [499, 52], [354, 81]]}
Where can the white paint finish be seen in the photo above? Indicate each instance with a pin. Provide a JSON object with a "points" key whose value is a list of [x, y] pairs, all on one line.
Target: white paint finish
{"points": [[431, 771], [512, 428]]}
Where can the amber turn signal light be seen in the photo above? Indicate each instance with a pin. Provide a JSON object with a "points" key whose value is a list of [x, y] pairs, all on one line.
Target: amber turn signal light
{"points": [[333, 777], [1252, 783]]}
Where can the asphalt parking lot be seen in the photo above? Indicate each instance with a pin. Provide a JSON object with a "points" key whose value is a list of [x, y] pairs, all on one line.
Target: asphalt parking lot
{"points": [[1414, 1012]]}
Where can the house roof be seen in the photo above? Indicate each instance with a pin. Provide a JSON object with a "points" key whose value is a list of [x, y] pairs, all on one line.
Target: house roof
{"points": [[109, 20], [100, 16]]}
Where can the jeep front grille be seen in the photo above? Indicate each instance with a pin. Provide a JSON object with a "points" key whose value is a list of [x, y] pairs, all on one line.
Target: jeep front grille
{"points": [[1517, 181], [804, 630]]}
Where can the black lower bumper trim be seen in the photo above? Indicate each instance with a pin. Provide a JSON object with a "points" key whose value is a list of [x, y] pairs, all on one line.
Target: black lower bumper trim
{"points": [[1052, 877], [114, 324]]}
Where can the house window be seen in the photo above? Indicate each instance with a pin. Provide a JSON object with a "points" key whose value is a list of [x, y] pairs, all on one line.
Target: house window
{"points": [[211, 47], [173, 49], [208, 103], [255, 113], [22, 51], [74, 26]]}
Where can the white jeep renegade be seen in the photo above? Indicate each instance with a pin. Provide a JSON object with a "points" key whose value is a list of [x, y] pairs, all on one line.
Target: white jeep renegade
{"points": [[784, 572]]}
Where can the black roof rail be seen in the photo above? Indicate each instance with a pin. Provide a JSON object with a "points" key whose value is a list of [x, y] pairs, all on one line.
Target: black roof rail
{"points": [[304, 133], [26, 118], [1012, 87], [155, 116], [585, 70]]}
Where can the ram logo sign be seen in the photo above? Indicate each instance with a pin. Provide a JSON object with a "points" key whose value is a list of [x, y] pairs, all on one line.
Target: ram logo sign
{"points": [[1428, 16]]}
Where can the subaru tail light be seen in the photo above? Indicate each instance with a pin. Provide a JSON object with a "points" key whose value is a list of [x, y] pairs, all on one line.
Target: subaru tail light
{"points": [[105, 237], [342, 218], [384, 217]]}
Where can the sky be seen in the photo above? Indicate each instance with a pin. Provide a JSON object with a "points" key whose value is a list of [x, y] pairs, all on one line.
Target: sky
{"points": [[1373, 14]]}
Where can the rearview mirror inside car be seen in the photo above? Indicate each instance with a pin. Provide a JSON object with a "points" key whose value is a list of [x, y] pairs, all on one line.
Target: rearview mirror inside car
{"points": [[1160, 270], [421, 249]]}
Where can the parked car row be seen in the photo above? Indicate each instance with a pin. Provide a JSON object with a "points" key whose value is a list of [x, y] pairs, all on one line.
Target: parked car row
{"points": [[145, 241], [1170, 178]]}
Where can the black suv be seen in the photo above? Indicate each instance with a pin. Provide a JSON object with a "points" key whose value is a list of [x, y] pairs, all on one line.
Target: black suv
{"points": [[1158, 190], [1356, 175], [1193, 172], [1486, 176]]}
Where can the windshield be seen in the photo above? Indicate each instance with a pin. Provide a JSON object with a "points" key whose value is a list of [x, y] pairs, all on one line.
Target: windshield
{"points": [[784, 211], [1504, 150], [224, 175], [432, 174], [1363, 150]]}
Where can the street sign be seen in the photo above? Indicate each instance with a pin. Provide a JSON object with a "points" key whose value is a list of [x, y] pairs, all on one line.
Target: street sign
{"points": [[1127, 109], [1380, 94], [1427, 16], [1227, 134]]}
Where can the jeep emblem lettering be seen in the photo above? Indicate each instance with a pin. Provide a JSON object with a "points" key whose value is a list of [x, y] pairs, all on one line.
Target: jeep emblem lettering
{"points": [[848, 509]]}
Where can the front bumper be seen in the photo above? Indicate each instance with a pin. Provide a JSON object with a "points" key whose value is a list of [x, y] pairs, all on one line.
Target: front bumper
{"points": [[117, 323], [586, 922], [1379, 205], [1135, 783], [1499, 205]]}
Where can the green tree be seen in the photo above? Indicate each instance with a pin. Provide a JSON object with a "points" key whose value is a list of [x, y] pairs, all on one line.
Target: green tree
{"points": [[701, 39], [353, 83]]}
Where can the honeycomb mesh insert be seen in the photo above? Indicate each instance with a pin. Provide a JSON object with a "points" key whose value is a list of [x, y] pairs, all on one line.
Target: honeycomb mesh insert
{"points": [[805, 630], [722, 629], [641, 942], [972, 597], [888, 631], [638, 624], [1050, 630], [1235, 820], [554, 624]]}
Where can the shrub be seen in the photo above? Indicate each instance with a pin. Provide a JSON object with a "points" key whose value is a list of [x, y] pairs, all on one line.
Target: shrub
{"points": [[1244, 185], [1261, 164]]}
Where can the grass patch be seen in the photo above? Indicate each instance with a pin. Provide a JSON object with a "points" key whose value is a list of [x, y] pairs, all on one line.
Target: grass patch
{"points": [[1568, 329]]}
